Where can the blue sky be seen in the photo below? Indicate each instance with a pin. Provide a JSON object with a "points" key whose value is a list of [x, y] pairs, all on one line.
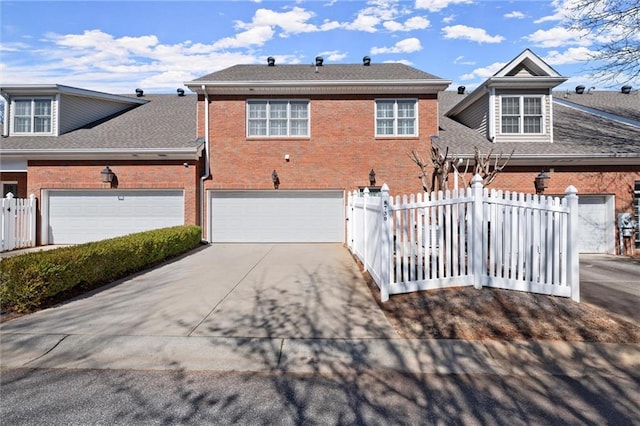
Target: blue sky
{"points": [[116, 46]]}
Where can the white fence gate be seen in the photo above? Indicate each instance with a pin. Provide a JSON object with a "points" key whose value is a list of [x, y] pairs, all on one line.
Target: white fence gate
{"points": [[471, 236], [18, 222]]}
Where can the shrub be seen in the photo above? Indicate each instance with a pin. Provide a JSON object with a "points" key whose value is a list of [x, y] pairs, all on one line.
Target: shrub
{"points": [[35, 280]]}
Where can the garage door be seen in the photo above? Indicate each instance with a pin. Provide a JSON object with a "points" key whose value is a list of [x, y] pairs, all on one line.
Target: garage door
{"points": [[277, 216], [595, 224], [81, 216]]}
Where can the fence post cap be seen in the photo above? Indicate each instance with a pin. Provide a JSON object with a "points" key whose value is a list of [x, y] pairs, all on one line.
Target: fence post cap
{"points": [[10, 195], [384, 188], [571, 190], [477, 179]]}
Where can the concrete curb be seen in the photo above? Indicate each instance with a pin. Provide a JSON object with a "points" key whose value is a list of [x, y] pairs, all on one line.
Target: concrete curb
{"points": [[323, 356]]}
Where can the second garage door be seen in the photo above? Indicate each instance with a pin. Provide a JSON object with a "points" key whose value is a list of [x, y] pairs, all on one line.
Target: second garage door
{"points": [[81, 216], [595, 224], [277, 216]]}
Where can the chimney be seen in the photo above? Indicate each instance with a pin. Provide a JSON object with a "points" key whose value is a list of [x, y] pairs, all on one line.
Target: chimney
{"points": [[366, 61]]}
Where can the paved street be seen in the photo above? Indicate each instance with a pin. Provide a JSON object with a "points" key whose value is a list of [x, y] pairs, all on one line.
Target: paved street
{"points": [[72, 397], [611, 283]]}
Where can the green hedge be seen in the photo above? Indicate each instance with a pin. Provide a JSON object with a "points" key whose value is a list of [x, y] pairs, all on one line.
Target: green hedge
{"points": [[35, 280]]}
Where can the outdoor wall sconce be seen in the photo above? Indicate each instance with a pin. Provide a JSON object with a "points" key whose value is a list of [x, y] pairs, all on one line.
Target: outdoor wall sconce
{"points": [[541, 182], [107, 175], [372, 177], [275, 179]]}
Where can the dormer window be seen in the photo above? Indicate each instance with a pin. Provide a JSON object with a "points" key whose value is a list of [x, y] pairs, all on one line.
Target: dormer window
{"points": [[32, 116], [521, 114]]}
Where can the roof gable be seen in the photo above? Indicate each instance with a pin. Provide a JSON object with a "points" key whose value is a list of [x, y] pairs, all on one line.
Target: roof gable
{"points": [[527, 64]]}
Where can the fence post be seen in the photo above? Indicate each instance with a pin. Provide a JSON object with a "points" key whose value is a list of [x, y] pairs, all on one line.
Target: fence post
{"points": [[365, 194], [477, 242], [386, 240], [32, 220], [349, 219], [573, 258]]}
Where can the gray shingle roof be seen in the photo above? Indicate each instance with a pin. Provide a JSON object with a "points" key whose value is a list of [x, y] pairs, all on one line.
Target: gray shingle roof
{"points": [[624, 105], [331, 72], [576, 134], [165, 122]]}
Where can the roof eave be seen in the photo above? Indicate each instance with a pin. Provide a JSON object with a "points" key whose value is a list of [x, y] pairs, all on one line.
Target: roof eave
{"points": [[299, 86], [188, 153]]}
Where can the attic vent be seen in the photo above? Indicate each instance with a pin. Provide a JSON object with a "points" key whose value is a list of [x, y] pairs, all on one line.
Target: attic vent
{"points": [[366, 61], [271, 61], [139, 93], [180, 92], [461, 90], [626, 89], [580, 90], [319, 61]]}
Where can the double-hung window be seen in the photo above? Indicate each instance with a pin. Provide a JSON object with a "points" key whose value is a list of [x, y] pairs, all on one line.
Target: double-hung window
{"points": [[32, 116], [277, 118], [396, 117], [521, 114]]}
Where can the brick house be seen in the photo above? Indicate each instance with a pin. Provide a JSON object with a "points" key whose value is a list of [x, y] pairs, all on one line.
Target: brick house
{"points": [[586, 138], [316, 130], [58, 139], [267, 152]]}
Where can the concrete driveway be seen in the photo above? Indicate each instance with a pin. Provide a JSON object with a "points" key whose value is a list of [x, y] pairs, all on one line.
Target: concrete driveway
{"points": [[611, 283], [235, 290]]}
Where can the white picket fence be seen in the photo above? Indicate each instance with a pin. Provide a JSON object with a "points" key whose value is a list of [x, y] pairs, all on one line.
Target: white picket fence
{"points": [[471, 236], [18, 222]]}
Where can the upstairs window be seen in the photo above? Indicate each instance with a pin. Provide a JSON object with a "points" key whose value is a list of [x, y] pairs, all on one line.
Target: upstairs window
{"points": [[32, 116], [396, 117], [521, 114], [278, 118]]}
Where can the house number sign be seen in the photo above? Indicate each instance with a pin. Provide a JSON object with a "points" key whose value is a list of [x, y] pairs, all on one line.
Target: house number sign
{"points": [[385, 208]]}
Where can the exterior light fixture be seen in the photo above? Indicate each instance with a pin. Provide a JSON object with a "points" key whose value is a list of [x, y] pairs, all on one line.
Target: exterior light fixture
{"points": [[275, 179], [107, 175], [541, 182], [372, 177]]}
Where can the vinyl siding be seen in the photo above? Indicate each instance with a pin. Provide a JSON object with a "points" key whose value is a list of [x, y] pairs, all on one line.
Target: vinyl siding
{"points": [[78, 111], [476, 116]]}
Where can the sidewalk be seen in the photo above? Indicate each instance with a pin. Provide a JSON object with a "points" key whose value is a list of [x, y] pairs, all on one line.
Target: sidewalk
{"points": [[318, 355]]}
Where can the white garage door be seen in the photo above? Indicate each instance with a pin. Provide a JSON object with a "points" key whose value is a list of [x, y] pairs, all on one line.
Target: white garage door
{"points": [[81, 216], [595, 224], [277, 216]]}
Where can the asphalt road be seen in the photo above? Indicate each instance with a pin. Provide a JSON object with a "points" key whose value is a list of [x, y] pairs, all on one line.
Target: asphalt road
{"points": [[126, 397], [611, 283]]}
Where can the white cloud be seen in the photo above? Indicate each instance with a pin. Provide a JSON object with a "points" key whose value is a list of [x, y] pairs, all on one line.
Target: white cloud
{"points": [[561, 11], [484, 72], [408, 45], [256, 36], [558, 36], [333, 55], [464, 32], [414, 23], [449, 19], [438, 5], [572, 55], [294, 21], [514, 15], [459, 61]]}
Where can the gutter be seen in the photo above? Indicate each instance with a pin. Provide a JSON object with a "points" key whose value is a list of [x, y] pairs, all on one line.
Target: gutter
{"points": [[207, 172]]}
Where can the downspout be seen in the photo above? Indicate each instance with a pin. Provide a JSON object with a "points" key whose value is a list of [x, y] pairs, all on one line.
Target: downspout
{"points": [[206, 173], [7, 114], [492, 114]]}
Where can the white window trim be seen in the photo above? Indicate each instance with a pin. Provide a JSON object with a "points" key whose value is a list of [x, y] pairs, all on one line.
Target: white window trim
{"points": [[288, 135], [32, 132], [522, 115], [395, 117]]}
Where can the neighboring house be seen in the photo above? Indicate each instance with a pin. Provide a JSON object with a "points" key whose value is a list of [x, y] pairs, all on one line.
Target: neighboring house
{"points": [[58, 140], [321, 128], [586, 138], [268, 152]]}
